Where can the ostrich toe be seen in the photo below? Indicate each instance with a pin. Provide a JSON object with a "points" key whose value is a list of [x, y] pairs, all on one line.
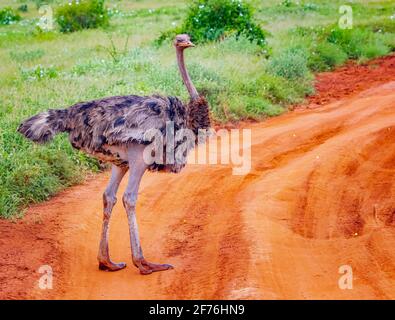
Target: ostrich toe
{"points": [[146, 267], [110, 266]]}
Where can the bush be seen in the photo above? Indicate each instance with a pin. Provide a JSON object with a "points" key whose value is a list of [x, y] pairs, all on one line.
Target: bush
{"points": [[8, 16], [374, 50], [239, 106], [290, 64], [40, 3], [282, 91], [326, 56], [209, 20], [23, 8], [86, 14], [389, 40], [39, 72], [359, 43]]}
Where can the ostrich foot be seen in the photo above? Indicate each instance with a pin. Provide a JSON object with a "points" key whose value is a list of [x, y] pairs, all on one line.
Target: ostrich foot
{"points": [[146, 267], [110, 266]]}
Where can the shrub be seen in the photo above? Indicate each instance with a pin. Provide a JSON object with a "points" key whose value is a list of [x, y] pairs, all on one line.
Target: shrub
{"points": [[8, 16], [359, 43], [326, 56], [259, 106], [389, 40], [39, 72], [209, 20], [374, 49], [281, 91], [239, 106], [287, 3], [86, 14], [23, 8], [290, 64], [40, 3]]}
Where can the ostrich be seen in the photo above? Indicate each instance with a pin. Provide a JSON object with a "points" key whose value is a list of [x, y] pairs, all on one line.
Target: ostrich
{"points": [[114, 131]]}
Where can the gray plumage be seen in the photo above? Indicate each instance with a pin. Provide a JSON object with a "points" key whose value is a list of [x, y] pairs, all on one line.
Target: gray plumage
{"points": [[113, 121]]}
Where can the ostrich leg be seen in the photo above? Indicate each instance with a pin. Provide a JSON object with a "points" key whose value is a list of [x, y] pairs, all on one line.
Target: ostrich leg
{"points": [[137, 167], [109, 200]]}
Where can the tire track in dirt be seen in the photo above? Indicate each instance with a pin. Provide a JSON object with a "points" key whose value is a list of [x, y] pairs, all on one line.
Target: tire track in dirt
{"points": [[212, 229], [326, 205]]}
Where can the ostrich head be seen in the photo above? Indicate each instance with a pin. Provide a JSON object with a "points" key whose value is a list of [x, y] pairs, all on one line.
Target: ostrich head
{"points": [[183, 41]]}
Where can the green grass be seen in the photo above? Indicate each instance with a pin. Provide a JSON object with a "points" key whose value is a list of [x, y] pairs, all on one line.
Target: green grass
{"points": [[42, 70]]}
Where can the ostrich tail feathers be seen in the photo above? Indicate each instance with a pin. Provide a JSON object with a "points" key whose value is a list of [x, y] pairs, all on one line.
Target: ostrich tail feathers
{"points": [[42, 127]]}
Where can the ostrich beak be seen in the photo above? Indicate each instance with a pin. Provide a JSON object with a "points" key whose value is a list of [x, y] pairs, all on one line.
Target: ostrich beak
{"points": [[186, 44]]}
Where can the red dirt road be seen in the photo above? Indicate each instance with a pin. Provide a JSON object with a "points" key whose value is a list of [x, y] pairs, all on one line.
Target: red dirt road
{"points": [[320, 194]]}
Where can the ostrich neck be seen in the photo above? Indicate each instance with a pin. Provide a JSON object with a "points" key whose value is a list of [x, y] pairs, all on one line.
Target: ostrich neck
{"points": [[185, 76]]}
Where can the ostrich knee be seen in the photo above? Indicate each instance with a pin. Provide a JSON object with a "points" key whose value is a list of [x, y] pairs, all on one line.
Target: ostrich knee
{"points": [[109, 201]]}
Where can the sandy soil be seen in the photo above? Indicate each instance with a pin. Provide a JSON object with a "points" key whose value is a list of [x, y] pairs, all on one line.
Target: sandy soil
{"points": [[320, 195]]}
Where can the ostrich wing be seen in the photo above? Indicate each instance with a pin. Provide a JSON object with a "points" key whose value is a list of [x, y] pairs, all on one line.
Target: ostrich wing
{"points": [[121, 120]]}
